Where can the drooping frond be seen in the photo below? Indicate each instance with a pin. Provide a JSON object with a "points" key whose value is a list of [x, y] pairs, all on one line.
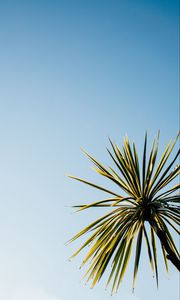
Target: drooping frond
{"points": [[149, 199]]}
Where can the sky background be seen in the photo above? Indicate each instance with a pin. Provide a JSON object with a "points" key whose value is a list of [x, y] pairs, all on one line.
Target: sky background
{"points": [[73, 73]]}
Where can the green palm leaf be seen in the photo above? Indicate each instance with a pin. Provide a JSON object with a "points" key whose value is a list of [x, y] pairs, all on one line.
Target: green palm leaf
{"points": [[149, 200], [138, 252]]}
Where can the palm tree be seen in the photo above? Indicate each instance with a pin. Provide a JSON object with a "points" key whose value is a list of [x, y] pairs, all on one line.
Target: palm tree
{"points": [[148, 210]]}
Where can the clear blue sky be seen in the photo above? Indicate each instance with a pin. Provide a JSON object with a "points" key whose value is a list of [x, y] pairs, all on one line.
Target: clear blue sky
{"points": [[73, 73]]}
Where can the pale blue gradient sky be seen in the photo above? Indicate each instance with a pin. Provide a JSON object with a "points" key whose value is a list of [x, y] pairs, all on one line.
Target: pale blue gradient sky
{"points": [[73, 73]]}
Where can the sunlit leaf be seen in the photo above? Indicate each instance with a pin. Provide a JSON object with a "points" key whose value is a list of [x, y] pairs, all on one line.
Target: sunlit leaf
{"points": [[145, 198]]}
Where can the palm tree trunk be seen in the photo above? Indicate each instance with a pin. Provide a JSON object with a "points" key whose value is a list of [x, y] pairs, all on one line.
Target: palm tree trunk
{"points": [[170, 254]]}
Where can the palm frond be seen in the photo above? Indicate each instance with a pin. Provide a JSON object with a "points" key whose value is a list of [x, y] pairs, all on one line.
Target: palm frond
{"points": [[149, 200]]}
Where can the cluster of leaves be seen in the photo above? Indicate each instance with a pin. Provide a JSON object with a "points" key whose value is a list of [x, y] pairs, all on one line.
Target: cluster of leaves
{"points": [[146, 201]]}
